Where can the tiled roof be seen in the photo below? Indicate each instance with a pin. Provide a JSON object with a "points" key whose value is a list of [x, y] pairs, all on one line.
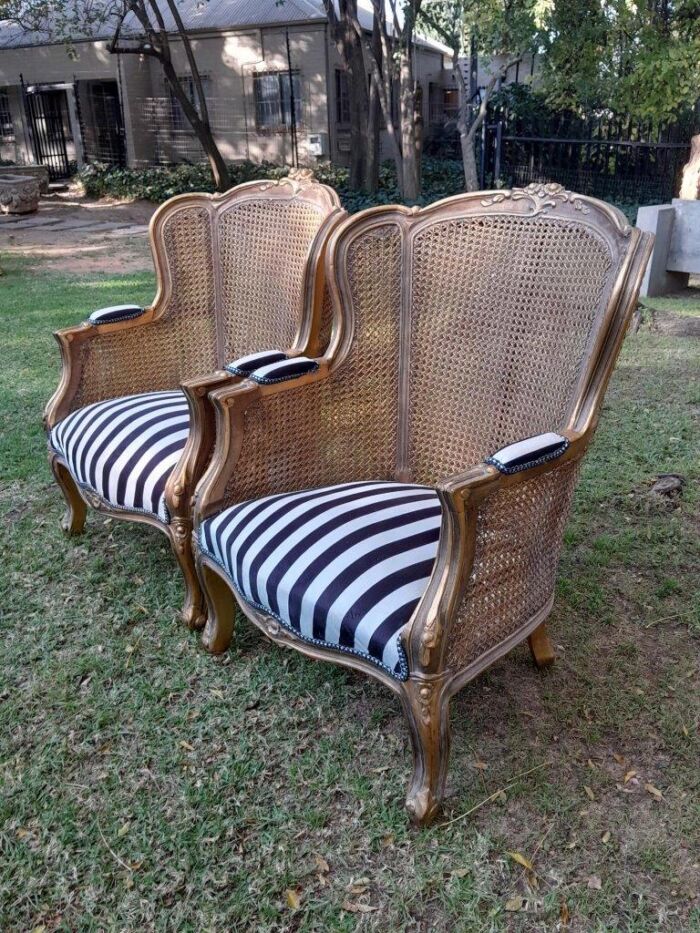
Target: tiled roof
{"points": [[199, 15]]}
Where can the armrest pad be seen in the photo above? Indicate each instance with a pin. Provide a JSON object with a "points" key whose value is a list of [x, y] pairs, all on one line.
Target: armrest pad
{"points": [[115, 313], [529, 452], [283, 370], [246, 364]]}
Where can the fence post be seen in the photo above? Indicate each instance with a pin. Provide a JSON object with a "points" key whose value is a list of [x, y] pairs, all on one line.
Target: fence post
{"points": [[482, 160], [497, 154]]}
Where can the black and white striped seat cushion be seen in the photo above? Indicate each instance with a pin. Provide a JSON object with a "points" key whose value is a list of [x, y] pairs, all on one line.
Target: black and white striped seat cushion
{"points": [[342, 566], [125, 449]]}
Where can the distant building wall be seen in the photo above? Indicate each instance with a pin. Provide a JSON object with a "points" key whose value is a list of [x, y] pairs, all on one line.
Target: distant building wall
{"points": [[246, 80]]}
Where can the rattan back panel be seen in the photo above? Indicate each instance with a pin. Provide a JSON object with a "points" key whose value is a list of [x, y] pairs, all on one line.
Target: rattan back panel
{"points": [[344, 427], [502, 310], [189, 253], [263, 251]]}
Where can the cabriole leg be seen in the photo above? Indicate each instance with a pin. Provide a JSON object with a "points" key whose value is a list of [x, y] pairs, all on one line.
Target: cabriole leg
{"points": [[73, 521], [194, 611], [541, 647], [426, 705], [221, 607]]}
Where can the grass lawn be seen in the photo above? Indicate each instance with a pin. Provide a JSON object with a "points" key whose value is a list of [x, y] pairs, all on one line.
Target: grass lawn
{"points": [[147, 786]]}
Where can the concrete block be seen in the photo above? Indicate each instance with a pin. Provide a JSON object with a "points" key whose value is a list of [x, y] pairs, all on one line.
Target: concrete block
{"points": [[684, 251], [659, 219]]}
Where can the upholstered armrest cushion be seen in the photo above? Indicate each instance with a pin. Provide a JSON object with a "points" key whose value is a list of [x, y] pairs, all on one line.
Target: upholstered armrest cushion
{"points": [[283, 370], [115, 313], [246, 364], [529, 452]]}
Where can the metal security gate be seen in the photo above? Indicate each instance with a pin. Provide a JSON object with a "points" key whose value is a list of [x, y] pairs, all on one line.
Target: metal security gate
{"points": [[101, 124], [45, 112]]}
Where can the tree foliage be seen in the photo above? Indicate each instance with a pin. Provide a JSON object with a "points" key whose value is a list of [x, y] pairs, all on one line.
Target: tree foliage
{"points": [[627, 56]]}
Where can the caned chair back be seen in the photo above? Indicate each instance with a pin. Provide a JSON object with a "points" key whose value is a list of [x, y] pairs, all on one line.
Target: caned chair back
{"points": [[477, 321], [239, 269]]}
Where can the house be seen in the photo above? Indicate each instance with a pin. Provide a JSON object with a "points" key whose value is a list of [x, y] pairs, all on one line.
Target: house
{"points": [[65, 107]]}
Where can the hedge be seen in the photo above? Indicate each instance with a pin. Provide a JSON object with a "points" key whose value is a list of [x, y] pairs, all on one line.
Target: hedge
{"points": [[441, 177]]}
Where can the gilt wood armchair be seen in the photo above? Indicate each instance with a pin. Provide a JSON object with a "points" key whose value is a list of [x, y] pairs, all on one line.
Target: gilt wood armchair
{"points": [[401, 510], [130, 426]]}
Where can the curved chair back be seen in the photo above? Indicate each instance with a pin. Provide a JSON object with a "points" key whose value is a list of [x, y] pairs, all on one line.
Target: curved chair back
{"points": [[480, 320], [240, 268]]}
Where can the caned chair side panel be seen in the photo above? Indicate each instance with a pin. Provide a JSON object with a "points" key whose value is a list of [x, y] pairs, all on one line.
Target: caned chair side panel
{"points": [[519, 535], [180, 343], [503, 310], [343, 428]]}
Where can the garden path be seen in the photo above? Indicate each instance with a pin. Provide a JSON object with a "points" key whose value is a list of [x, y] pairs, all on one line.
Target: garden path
{"points": [[74, 234]]}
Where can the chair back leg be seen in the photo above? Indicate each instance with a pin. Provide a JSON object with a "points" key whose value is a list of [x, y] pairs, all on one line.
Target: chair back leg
{"points": [[221, 609], [73, 521], [541, 647]]}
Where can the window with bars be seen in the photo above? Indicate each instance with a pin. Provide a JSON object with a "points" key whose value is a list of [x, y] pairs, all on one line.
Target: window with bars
{"points": [[342, 97], [7, 129], [178, 119], [273, 94]]}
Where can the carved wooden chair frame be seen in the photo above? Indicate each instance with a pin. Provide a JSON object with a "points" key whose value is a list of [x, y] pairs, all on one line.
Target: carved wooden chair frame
{"points": [[433, 677], [197, 452]]}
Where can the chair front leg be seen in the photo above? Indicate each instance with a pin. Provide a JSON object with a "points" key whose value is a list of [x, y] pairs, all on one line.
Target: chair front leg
{"points": [[426, 704], [194, 612], [73, 521]]}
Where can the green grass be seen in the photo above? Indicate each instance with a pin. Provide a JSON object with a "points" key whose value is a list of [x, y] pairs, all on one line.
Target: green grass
{"points": [[147, 786]]}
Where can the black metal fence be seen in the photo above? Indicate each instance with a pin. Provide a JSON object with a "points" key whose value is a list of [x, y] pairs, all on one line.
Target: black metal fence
{"points": [[609, 157]]}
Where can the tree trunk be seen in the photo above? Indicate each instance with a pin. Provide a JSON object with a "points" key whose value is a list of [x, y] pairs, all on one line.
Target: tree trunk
{"points": [[471, 175], [202, 129], [357, 92], [410, 183], [374, 116], [217, 164]]}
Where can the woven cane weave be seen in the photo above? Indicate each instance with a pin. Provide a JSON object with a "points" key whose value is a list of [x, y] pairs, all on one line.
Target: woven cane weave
{"points": [[240, 271], [343, 428], [502, 309], [263, 252], [518, 543], [180, 345]]}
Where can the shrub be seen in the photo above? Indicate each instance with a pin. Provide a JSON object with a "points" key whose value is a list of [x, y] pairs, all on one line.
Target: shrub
{"points": [[441, 178]]}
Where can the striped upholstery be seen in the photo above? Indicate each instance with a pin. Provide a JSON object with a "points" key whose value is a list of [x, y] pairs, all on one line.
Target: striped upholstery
{"points": [[125, 449], [342, 566]]}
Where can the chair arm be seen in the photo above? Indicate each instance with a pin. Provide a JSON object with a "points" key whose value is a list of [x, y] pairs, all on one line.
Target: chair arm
{"points": [[233, 405], [463, 486], [183, 480], [197, 454], [466, 499], [114, 313]]}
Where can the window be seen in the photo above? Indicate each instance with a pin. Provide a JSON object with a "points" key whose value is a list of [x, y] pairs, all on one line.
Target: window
{"points": [[7, 130], [273, 109], [342, 96], [177, 115]]}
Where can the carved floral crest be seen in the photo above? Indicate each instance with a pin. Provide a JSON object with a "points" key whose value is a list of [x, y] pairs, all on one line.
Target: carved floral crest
{"points": [[542, 196], [546, 197]]}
